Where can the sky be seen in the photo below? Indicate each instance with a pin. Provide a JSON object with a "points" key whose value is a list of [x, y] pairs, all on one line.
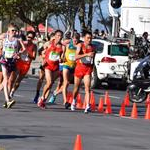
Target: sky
{"points": [[95, 24]]}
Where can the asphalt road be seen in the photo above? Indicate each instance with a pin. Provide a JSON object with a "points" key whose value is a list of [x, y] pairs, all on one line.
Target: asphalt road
{"points": [[26, 127]]}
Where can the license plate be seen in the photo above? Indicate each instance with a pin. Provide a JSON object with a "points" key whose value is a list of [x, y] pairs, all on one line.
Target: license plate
{"points": [[116, 76]]}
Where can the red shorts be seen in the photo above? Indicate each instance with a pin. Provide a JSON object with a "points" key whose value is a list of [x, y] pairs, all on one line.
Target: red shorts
{"points": [[22, 66], [52, 67], [81, 70]]}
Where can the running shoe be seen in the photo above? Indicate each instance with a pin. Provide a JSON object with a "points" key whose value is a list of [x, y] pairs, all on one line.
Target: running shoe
{"points": [[73, 107], [52, 99], [41, 103], [87, 110], [36, 98], [67, 105], [10, 103], [5, 105]]}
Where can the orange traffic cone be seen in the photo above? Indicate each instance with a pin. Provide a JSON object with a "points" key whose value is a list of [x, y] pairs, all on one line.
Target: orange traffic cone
{"points": [[108, 109], [79, 101], [126, 99], [92, 101], [134, 113], [147, 99], [122, 111], [100, 106], [147, 114], [78, 143], [107, 99]]}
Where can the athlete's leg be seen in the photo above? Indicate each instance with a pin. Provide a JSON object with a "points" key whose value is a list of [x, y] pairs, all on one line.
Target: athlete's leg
{"points": [[5, 82], [8, 102], [58, 89], [1, 86], [66, 75], [54, 76], [39, 85], [1, 77], [50, 77], [40, 81], [87, 84], [77, 82], [1, 80], [16, 84]]}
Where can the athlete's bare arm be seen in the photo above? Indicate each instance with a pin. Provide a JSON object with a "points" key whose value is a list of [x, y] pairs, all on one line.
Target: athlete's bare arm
{"points": [[79, 55]]}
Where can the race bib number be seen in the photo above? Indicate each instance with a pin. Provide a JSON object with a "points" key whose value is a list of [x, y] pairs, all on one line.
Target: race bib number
{"points": [[54, 56], [24, 57], [72, 56], [9, 52], [86, 60]]}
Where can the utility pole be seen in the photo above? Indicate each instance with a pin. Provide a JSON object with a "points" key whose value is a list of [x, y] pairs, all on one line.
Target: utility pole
{"points": [[46, 25], [1, 27]]}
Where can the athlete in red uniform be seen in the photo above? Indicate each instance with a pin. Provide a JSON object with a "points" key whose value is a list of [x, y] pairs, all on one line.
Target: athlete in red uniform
{"points": [[83, 69], [26, 57], [52, 60]]}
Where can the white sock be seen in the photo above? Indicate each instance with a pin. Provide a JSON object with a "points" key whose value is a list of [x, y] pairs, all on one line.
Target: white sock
{"points": [[54, 93], [88, 105], [73, 102]]}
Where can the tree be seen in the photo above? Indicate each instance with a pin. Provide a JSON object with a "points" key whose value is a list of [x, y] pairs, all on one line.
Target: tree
{"points": [[86, 14], [102, 19], [23, 8], [68, 13]]}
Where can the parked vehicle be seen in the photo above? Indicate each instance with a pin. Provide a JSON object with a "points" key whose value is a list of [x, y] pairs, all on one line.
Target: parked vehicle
{"points": [[110, 62]]}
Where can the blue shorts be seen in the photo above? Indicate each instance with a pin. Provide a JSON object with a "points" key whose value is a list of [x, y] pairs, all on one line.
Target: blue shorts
{"points": [[69, 68], [60, 67]]}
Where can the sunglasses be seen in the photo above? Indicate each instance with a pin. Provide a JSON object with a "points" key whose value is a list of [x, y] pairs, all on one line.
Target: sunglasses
{"points": [[29, 37], [13, 30]]}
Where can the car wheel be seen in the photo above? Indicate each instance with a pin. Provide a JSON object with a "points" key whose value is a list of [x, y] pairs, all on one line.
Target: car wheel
{"points": [[95, 82]]}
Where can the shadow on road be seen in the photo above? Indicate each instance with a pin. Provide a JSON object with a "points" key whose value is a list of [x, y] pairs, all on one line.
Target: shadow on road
{"points": [[17, 136]]}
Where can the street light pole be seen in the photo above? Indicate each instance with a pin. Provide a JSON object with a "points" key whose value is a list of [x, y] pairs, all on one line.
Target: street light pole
{"points": [[1, 29], [46, 25]]}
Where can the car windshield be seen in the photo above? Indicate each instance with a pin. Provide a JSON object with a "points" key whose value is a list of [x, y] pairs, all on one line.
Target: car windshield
{"points": [[118, 50], [98, 46]]}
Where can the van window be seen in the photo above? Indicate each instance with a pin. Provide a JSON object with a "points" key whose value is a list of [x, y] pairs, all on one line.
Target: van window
{"points": [[118, 50], [98, 46]]}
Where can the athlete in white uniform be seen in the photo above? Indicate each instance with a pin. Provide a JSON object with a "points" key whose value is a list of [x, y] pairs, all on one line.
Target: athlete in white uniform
{"points": [[10, 52]]}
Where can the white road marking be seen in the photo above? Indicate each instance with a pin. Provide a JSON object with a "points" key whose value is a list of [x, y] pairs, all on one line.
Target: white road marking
{"points": [[17, 95], [116, 97]]}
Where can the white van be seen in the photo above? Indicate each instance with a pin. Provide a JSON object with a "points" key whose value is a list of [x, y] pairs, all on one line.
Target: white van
{"points": [[110, 62]]}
